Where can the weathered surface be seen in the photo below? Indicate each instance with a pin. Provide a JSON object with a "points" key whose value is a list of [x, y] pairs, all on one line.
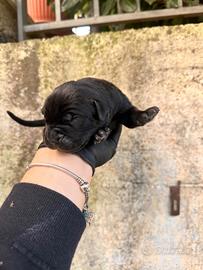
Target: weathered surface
{"points": [[8, 22], [19, 93], [130, 195]]}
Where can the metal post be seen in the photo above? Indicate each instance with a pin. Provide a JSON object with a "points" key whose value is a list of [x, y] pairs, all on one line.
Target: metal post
{"points": [[138, 5], [118, 7], [58, 10], [22, 18], [180, 3], [96, 12], [96, 7]]}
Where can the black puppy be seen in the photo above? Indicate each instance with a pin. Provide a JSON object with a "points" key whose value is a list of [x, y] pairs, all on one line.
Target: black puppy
{"points": [[77, 112]]}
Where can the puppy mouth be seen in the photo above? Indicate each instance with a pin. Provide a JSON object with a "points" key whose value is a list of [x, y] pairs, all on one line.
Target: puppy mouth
{"points": [[62, 142], [69, 148]]}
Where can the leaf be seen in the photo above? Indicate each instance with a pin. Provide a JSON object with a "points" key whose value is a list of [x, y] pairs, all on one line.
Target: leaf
{"points": [[192, 2], [150, 2], [86, 8], [107, 7], [128, 5], [82, 9], [69, 4], [171, 4]]}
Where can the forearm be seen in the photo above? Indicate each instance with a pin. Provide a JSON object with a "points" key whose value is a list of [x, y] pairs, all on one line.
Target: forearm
{"points": [[39, 229], [41, 221], [57, 180]]}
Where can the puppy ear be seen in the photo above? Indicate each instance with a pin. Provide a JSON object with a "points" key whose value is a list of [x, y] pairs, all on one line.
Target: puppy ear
{"points": [[101, 114]]}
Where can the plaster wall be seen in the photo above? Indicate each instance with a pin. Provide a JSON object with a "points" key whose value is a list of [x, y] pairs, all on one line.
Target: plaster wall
{"points": [[130, 195], [8, 22]]}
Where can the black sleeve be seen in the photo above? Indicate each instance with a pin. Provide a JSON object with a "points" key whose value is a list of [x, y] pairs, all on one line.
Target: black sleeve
{"points": [[39, 229]]}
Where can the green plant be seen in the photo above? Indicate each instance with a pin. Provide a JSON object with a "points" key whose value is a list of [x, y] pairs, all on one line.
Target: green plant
{"points": [[84, 8], [117, 6], [73, 7], [107, 7]]}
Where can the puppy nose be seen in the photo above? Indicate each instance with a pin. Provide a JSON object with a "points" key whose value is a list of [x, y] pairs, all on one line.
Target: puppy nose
{"points": [[54, 131], [58, 135]]}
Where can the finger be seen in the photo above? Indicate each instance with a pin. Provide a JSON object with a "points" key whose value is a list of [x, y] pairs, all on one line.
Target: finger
{"points": [[115, 135]]}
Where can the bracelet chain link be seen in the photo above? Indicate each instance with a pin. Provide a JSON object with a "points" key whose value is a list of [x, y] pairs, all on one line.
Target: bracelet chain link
{"points": [[84, 186]]}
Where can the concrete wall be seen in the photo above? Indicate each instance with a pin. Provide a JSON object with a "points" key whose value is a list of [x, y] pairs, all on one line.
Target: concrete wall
{"points": [[130, 194], [8, 22]]}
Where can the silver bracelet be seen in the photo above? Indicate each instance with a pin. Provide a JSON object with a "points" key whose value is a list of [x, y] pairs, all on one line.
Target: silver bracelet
{"points": [[84, 186]]}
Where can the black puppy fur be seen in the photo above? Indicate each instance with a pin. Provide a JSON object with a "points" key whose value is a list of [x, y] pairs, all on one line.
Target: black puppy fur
{"points": [[77, 112]]}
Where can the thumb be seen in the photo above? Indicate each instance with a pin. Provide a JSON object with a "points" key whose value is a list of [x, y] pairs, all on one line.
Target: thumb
{"points": [[115, 135]]}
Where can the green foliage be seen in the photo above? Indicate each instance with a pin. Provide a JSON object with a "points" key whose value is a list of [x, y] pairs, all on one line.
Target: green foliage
{"points": [[117, 6], [150, 2], [72, 7], [159, 4], [108, 7], [128, 5], [84, 8]]}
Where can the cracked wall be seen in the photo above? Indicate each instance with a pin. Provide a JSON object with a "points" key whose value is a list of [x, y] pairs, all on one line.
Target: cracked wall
{"points": [[130, 195]]}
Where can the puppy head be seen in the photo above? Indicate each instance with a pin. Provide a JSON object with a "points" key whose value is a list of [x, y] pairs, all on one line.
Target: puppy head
{"points": [[72, 117]]}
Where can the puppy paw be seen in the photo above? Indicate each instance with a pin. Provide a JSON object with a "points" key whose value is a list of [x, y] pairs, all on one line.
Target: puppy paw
{"points": [[147, 116], [102, 135]]}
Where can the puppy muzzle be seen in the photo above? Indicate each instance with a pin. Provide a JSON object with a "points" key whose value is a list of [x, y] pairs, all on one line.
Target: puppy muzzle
{"points": [[56, 139]]}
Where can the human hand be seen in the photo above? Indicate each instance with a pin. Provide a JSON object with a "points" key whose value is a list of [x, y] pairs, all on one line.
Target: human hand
{"points": [[98, 154]]}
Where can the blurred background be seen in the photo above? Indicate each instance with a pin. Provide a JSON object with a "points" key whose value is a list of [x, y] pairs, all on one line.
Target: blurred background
{"points": [[153, 51]]}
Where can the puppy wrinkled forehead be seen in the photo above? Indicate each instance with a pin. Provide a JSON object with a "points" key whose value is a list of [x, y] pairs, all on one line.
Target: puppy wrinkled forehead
{"points": [[66, 89], [74, 93], [67, 97]]}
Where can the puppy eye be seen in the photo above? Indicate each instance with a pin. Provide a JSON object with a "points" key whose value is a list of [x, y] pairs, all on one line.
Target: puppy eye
{"points": [[68, 117]]}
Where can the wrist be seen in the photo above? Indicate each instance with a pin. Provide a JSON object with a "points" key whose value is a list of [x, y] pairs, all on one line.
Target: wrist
{"points": [[56, 179], [70, 161], [88, 160]]}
